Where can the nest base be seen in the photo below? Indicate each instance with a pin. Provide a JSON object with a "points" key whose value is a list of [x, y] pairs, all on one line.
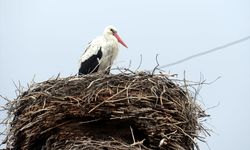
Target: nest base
{"points": [[124, 111]]}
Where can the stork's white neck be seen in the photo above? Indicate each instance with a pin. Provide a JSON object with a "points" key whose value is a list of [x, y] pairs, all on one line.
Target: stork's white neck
{"points": [[110, 38]]}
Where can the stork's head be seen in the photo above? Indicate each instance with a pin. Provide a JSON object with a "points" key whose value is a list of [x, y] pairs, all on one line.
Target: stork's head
{"points": [[111, 30]]}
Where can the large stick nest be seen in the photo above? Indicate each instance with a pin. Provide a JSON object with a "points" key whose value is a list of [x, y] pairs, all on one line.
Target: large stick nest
{"points": [[107, 112]]}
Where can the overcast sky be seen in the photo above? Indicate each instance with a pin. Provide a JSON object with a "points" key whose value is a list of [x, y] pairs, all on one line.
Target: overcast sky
{"points": [[47, 37]]}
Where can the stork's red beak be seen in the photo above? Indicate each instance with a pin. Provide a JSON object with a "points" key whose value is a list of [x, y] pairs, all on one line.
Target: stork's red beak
{"points": [[120, 40]]}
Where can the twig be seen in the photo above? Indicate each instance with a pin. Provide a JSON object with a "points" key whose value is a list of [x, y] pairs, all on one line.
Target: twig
{"points": [[140, 63], [132, 133], [157, 64]]}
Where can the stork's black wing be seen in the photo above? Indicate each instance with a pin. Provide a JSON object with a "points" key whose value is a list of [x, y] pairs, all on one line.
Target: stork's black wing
{"points": [[91, 64]]}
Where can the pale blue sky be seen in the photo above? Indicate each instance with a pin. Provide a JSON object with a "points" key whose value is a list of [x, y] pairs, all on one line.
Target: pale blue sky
{"points": [[47, 37]]}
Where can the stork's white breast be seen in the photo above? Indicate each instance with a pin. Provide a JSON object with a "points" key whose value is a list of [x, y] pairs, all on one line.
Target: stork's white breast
{"points": [[110, 52]]}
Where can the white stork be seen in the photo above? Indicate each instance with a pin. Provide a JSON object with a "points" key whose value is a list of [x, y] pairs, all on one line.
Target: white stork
{"points": [[101, 52]]}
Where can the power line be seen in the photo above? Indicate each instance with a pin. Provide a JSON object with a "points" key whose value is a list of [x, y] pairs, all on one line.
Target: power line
{"points": [[207, 51]]}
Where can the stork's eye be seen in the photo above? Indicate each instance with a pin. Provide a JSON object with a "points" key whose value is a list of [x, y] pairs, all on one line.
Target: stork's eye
{"points": [[112, 30]]}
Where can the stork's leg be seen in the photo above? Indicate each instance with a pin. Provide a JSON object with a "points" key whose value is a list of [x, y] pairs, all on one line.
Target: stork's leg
{"points": [[107, 71]]}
